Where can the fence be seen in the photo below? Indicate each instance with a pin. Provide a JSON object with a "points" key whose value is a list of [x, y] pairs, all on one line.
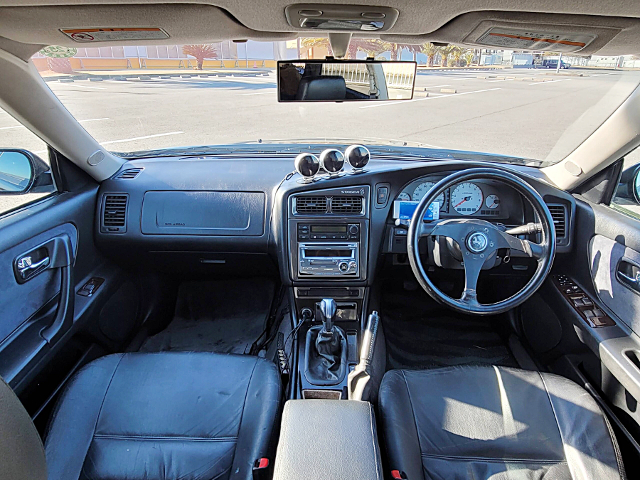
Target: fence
{"points": [[397, 76]]}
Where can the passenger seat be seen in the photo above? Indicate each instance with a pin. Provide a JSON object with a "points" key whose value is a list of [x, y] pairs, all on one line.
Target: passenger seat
{"points": [[164, 416]]}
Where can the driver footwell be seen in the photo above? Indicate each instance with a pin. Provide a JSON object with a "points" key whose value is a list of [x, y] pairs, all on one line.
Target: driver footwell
{"points": [[421, 334]]}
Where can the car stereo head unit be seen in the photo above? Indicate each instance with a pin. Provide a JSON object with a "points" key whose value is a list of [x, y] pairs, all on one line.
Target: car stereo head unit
{"points": [[332, 231], [320, 259]]}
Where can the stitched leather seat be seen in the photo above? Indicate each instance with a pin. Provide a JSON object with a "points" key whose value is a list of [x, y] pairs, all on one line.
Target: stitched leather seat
{"points": [[494, 422], [164, 416]]}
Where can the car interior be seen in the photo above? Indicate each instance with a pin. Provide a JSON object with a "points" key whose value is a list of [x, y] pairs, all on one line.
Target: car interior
{"points": [[329, 310]]}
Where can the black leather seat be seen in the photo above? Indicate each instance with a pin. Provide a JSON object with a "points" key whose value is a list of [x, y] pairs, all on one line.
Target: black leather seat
{"points": [[494, 423], [164, 416]]}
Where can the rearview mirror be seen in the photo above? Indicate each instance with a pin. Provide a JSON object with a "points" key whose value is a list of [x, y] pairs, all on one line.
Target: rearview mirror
{"points": [[22, 172], [344, 80]]}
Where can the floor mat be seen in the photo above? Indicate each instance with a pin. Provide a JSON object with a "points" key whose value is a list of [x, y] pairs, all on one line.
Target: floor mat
{"points": [[216, 316], [421, 333]]}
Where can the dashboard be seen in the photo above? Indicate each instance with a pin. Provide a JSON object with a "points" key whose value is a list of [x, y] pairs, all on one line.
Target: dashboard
{"points": [[247, 213]]}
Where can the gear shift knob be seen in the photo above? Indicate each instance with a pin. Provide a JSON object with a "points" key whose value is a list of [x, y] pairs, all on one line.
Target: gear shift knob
{"points": [[328, 309]]}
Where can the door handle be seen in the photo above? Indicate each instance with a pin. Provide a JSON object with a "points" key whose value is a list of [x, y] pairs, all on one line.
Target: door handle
{"points": [[55, 253], [27, 268], [628, 273]]}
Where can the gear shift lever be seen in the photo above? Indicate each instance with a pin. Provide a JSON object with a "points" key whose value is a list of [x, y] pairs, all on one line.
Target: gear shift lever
{"points": [[328, 309], [326, 348]]}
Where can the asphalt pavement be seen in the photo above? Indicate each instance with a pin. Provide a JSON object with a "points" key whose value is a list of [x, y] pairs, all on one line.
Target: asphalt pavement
{"points": [[521, 112]]}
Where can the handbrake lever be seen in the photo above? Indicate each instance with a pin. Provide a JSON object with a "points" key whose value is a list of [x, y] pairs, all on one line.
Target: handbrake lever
{"points": [[361, 374]]}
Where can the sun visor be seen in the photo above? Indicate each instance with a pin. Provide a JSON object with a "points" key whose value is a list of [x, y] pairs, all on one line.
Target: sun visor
{"points": [[576, 34], [104, 25]]}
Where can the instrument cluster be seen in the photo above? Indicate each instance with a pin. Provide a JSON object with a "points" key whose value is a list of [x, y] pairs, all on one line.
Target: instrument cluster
{"points": [[478, 198]]}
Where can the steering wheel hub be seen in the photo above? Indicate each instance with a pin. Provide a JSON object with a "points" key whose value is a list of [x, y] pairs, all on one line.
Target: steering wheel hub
{"points": [[477, 242]]}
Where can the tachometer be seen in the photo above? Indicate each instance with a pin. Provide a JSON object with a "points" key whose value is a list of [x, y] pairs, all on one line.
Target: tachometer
{"points": [[466, 198], [422, 189]]}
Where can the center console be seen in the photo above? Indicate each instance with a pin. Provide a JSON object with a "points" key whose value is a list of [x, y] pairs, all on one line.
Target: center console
{"points": [[328, 233], [322, 439]]}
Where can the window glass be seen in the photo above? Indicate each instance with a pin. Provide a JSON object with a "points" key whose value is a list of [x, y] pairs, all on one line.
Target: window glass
{"points": [[627, 198], [15, 135]]}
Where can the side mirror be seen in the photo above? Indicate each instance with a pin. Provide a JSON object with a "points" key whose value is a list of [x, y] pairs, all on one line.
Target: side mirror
{"points": [[23, 172]]}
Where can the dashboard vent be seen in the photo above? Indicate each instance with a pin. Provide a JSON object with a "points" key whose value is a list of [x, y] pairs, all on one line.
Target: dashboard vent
{"points": [[114, 213], [346, 205], [129, 174], [306, 205], [559, 215]]}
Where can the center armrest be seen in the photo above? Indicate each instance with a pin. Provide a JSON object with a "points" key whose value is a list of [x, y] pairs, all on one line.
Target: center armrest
{"points": [[328, 439]]}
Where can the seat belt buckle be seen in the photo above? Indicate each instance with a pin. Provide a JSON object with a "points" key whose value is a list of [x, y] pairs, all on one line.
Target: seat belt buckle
{"points": [[261, 469], [398, 475]]}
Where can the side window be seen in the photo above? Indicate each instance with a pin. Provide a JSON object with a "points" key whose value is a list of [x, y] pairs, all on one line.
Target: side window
{"points": [[23, 178]]}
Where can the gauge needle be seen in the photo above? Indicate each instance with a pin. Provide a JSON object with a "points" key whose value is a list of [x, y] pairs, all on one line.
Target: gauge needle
{"points": [[465, 199]]}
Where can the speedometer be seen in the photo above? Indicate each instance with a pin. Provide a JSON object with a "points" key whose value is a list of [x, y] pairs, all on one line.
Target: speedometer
{"points": [[422, 189], [466, 198]]}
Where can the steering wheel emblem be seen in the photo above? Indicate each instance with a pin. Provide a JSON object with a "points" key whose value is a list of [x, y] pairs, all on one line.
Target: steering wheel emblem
{"points": [[477, 242]]}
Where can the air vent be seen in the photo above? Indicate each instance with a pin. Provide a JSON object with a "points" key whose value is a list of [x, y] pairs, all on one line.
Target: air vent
{"points": [[114, 213], [559, 215], [129, 174], [310, 205], [346, 205]]}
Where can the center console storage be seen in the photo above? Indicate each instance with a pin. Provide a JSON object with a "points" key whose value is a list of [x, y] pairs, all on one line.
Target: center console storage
{"points": [[328, 440]]}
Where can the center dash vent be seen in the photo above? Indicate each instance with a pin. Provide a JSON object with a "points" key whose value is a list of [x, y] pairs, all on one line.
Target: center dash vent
{"points": [[129, 174], [114, 213], [559, 215], [308, 204], [346, 205]]}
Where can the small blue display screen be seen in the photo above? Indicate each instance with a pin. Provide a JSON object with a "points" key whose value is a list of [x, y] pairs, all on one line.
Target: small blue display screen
{"points": [[404, 209]]}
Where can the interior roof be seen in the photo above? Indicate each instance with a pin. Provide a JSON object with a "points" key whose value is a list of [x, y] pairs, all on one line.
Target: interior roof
{"points": [[26, 21]]}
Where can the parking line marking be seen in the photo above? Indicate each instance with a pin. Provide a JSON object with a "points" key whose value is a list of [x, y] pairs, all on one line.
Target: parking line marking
{"points": [[94, 119], [140, 138], [258, 93], [431, 98], [79, 86], [437, 86], [80, 121], [551, 81]]}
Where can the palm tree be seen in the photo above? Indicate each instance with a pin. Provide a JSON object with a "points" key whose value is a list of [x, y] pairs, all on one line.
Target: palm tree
{"points": [[468, 57], [430, 50], [200, 52], [445, 52], [370, 46], [316, 42], [456, 53]]}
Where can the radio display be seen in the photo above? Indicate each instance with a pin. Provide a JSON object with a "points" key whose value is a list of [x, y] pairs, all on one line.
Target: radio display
{"points": [[328, 229]]}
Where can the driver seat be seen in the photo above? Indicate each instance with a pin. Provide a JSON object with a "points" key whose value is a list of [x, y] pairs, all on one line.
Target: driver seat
{"points": [[494, 423]]}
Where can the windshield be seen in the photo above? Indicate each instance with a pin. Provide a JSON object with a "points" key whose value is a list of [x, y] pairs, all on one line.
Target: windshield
{"points": [[528, 105]]}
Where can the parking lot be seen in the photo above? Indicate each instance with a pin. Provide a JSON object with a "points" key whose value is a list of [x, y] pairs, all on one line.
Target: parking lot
{"points": [[521, 112], [517, 112]]}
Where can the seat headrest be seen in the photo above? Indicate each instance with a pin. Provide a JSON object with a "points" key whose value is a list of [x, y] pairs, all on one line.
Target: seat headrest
{"points": [[327, 87], [21, 453]]}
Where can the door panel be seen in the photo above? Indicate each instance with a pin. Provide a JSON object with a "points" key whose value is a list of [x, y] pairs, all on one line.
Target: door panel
{"points": [[40, 315], [610, 263]]}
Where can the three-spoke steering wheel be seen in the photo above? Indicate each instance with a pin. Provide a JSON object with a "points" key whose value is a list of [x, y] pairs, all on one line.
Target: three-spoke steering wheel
{"points": [[479, 241]]}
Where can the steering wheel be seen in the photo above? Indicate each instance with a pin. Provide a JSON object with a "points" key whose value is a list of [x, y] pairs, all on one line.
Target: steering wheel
{"points": [[479, 241]]}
